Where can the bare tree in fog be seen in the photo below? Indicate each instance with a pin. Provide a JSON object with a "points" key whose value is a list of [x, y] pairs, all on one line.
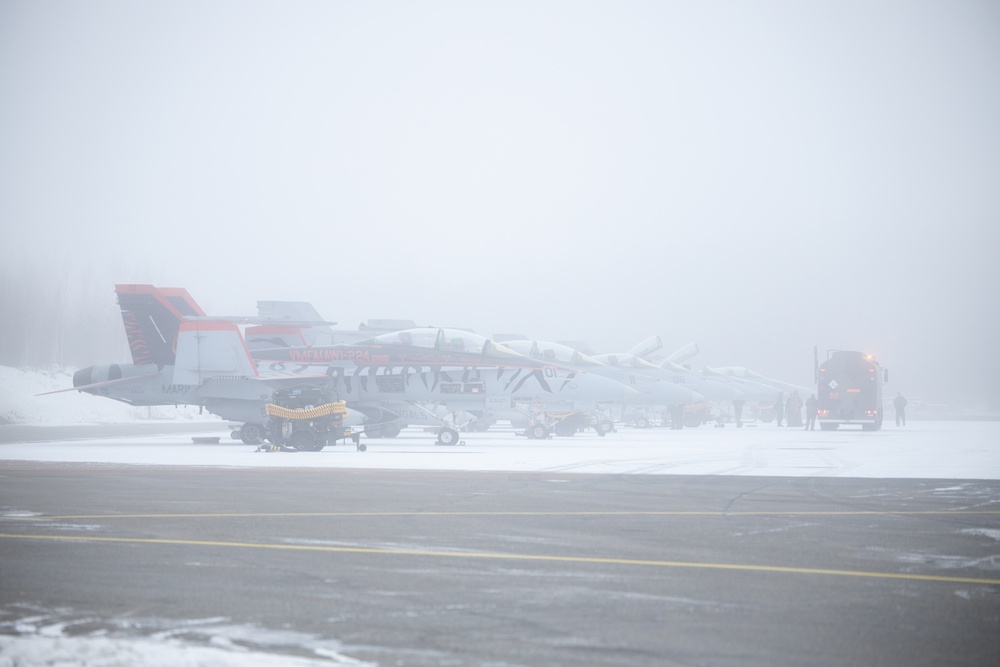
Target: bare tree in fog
{"points": [[54, 318]]}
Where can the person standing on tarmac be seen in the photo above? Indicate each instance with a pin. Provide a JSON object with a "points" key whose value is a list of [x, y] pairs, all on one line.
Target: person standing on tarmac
{"points": [[794, 409], [779, 408], [900, 404], [738, 409], [811, 404]]}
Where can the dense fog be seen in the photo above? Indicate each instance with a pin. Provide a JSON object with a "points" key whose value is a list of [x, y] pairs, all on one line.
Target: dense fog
{"points": [[757, 177]]}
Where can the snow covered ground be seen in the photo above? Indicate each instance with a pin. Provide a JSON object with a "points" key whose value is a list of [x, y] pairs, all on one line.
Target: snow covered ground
{"points": [[52, 639], [942, 450], [924, 449]]}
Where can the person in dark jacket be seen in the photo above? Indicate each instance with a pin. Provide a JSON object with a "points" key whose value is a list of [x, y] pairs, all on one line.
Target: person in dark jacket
{"points": [[900, 404], [793, 408], [811, 404]]}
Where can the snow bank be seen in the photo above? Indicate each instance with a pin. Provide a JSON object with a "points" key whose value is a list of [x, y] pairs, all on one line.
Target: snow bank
{"points": [[40, 651], [53, 639], [20, 402]]}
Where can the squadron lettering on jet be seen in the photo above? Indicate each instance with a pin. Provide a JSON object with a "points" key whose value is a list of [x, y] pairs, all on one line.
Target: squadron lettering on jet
{"points": [[176, 389], [311, 356]]}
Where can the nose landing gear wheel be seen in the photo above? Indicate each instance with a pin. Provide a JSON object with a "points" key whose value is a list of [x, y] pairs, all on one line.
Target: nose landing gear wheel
{"points": [[447, 436], [538, 432]]}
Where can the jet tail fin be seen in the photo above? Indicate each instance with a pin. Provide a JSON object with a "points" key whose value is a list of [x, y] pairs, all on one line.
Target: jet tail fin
{"points": [[211, 350], [152, 317], [282, 335]]}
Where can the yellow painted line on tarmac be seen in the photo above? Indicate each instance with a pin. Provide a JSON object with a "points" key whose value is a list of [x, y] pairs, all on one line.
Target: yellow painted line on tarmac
{"points": [[583, 560], [260, 515]]}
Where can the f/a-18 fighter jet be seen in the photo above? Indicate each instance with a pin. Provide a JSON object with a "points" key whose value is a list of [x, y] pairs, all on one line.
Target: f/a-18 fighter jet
{"points": [[213, 368]]}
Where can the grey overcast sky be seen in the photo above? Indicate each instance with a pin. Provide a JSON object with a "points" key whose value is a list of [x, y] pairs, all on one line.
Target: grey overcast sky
{"points": [[759, 177]]}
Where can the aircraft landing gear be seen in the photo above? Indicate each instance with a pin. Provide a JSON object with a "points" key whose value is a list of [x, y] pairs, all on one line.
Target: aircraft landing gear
{"points": [[538, 432], [447, 437], [604, 427], [252, 434]]}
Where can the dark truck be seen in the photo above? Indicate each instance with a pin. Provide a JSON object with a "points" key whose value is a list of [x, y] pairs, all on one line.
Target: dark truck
{"points": [[849, 390]]}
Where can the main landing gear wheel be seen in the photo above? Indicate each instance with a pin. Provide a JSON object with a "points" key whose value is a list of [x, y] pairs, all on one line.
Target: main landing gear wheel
{"points": [[447, 437], [373, 430], [538, 432], [390, 431], [604, 427], [252, 434]]}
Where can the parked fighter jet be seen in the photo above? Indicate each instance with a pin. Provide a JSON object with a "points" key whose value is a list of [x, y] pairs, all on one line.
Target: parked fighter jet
{"points": [[650, 390]]}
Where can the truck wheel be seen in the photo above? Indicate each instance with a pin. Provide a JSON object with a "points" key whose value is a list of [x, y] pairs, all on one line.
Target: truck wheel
{"points": [[305, 441], [642, 422]]}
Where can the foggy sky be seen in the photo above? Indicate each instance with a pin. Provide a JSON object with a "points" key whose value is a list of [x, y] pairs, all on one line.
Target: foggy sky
{"points": [[759, 177]]}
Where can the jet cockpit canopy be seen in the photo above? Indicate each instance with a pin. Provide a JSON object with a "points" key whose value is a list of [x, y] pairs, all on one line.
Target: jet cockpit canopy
{"points": [[555, 353], [627, 361], [446, 340]]}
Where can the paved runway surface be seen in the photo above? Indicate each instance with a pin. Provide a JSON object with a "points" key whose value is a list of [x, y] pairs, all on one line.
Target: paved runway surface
{"points": [[460, 568]]}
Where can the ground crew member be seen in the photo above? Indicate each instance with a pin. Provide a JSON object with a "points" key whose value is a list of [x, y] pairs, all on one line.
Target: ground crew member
{"points": [[738, 409], [811, 403], [900, 404], [794, 409]]}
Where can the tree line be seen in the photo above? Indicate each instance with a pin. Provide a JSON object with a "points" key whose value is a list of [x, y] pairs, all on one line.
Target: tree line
{"points": [[59, 317]]}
